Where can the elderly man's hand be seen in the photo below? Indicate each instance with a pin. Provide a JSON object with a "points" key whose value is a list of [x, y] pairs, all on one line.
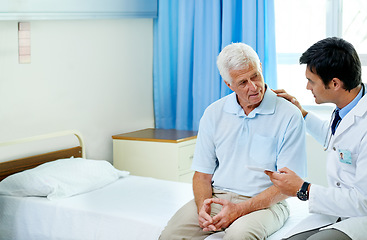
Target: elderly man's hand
{"points": [[205, 220], [287, 181], [229, 213]]}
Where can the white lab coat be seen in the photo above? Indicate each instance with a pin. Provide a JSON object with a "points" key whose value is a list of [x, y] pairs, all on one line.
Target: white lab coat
{"points": [[346, 196]]}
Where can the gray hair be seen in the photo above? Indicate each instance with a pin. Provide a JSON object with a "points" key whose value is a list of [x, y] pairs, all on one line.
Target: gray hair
{"points": [[236, 56]]}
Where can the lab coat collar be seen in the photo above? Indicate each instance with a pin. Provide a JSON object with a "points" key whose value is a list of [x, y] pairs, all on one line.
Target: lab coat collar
{"points": [[361, 107], [345, 110], [267, 105], [357, 112]]}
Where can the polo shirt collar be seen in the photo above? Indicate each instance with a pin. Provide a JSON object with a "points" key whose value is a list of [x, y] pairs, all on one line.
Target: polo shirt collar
{"points": [[267, 105]]}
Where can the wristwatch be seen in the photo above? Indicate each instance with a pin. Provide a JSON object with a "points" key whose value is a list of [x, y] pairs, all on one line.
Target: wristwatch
{"points": [[302, 193]]}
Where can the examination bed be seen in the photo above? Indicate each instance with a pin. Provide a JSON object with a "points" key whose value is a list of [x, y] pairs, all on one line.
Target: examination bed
{"points": [[71, 197]]}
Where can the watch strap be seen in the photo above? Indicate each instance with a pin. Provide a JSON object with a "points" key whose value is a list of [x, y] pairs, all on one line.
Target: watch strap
{"points": [[304, 187]]}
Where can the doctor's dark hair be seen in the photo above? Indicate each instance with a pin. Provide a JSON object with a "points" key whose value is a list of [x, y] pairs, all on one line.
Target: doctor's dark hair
{"points": [[334, 58]]}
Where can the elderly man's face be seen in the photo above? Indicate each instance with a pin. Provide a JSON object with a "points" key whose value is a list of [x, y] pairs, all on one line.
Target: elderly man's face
{"points": [[249, 86]]}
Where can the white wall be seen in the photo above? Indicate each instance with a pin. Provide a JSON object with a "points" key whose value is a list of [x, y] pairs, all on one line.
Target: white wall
{"points": [[316, 162], [316, 156], [91, 75]]}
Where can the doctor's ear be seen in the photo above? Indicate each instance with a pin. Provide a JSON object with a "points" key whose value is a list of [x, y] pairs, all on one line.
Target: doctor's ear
{"points": [[336, 84]]}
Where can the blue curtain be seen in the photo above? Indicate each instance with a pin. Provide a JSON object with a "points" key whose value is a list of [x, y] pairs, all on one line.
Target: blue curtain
{"points": [[188, 36]]}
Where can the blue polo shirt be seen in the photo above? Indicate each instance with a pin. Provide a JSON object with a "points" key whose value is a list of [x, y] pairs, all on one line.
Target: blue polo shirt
{"points": [[272, 136]]}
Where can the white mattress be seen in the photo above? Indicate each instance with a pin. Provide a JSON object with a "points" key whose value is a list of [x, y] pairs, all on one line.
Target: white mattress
{"points": [[130, 208]]}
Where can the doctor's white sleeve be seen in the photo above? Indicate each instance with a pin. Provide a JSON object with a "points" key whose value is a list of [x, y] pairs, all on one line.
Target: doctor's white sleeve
{"points": [[317, 127]]}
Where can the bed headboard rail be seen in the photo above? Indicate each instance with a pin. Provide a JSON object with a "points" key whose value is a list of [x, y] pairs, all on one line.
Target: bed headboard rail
{"points": [[17, 165], [47, 136]]}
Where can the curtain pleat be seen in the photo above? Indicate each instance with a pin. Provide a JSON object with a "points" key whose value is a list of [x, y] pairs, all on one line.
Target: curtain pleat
{"points": [[188, 36]]}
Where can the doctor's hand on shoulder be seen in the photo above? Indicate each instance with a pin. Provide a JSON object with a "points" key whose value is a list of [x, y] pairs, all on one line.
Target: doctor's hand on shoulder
{"points": [[287, 181], [282, 93]]}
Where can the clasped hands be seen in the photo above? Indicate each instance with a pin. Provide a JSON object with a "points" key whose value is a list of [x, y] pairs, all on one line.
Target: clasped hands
{"points": [[287, 181], [228, 214]]}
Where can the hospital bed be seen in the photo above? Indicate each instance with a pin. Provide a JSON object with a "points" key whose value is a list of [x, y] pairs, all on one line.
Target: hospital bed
{"points": [[89, 199]]}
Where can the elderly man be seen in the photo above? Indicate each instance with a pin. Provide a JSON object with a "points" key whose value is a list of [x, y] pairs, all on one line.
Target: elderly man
{"points": [[249, 128]]}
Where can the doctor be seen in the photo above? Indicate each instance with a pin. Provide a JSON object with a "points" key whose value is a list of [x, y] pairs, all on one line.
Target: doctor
{"points": [[334, 76]]}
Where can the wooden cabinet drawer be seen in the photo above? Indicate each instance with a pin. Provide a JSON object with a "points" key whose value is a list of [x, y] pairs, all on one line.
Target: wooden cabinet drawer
{"points": [[159, 153]]}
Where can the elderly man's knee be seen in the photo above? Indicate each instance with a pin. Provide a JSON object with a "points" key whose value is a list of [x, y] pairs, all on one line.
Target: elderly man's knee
{"points": [[167, 234], [244, 234], [184, 223]]}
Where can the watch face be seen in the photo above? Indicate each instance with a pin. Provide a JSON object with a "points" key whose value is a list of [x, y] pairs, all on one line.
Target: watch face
{"points": [[302, 196]]}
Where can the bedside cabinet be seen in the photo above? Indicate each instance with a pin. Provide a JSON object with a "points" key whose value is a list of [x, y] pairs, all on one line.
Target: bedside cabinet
{"points": [[159, 153]]}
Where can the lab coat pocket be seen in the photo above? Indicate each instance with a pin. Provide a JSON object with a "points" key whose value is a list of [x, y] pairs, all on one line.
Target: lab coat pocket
{"points": [[263, 151], [347, 160]]}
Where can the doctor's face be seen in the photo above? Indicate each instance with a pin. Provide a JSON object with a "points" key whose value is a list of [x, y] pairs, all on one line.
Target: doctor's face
{"points": [[321, 93], [248, 84]]}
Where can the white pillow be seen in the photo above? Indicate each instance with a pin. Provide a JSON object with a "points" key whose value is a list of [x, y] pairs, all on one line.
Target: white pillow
{"points": [[61, 178]]}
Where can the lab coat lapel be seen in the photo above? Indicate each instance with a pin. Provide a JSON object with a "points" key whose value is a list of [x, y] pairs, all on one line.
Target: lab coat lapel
{"points": [[357, 112], [346, 123]]}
